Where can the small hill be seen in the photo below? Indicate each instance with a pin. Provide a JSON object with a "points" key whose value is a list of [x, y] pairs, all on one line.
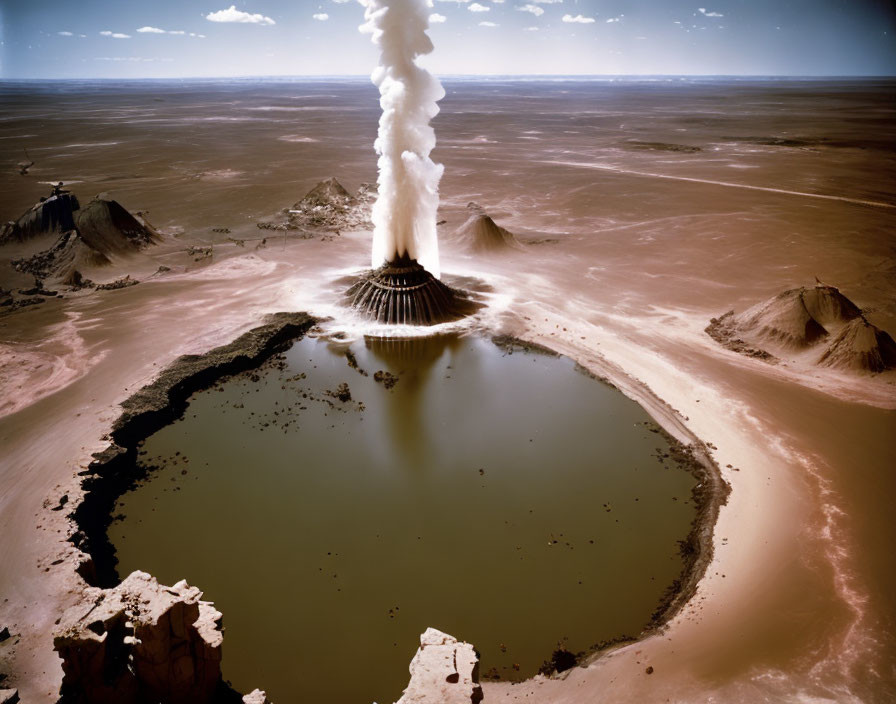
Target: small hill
{"points": [[107, 227], [91, 237], [479, 233], [53, 215], [803, 319], [330, 207], [861, 346], [783, 320], [327, 192]]}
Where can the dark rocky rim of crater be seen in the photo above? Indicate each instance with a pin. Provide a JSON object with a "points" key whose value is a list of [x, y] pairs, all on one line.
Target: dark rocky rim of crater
{"points": [[708, 495], [116, 470]]}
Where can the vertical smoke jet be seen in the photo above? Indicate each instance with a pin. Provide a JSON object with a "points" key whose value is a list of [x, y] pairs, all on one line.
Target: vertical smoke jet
{"points": [[404, 214]]}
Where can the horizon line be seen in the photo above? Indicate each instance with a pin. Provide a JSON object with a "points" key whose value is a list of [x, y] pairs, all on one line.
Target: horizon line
{"points": [[450, 76]]}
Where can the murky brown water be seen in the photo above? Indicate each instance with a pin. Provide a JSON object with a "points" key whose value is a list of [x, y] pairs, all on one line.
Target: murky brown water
{"points": [[504, 498]]}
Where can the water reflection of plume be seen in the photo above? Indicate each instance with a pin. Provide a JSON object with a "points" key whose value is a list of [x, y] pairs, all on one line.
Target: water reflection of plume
{"points": [[412, 359]]}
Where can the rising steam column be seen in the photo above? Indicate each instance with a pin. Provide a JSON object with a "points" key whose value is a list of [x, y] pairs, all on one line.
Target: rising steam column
{"points": [[404, 285]]}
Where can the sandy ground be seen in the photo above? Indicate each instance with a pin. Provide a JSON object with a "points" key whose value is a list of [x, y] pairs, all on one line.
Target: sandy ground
{"points": [[797, 604], [779, 507]]}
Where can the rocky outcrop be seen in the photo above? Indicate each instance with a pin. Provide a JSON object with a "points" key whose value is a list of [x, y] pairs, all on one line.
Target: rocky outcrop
{"points": [[443, 671], [329, 206], [53, 215], [9, 696], [90, 236], [141, 642], [481, 234], [802, 320], [402, 292]]}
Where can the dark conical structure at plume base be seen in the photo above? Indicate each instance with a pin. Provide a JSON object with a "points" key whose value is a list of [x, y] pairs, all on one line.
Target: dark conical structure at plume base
{"points": [[402, 292]]}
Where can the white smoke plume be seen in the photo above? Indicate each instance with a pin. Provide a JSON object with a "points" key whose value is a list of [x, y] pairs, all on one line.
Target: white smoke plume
{"points": [[404, 215]]}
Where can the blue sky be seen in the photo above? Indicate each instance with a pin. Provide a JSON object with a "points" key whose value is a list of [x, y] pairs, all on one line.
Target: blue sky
{"points": [[190, 38]]}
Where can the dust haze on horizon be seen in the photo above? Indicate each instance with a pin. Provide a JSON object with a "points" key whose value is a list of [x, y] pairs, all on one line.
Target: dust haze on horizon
{"points": [[231, 38]]}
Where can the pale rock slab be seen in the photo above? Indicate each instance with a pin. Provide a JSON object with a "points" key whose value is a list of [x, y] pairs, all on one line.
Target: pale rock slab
{"points": [[141, 640], [443, 671]]}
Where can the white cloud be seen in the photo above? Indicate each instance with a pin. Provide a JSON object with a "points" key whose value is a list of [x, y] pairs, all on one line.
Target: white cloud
{"points": [[615, 19], [547, 2], [65, 34], [476, 7], [530, 29], [115, 35], [156, 30], [131, 59], [703, 11], [231, 14], [581, 19], [321, 16], [529, 7], [487, 24], [436, 18]]}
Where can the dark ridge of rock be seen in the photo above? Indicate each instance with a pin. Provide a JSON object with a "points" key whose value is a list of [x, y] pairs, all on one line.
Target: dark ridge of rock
{"points": [[55, 214], [861, 346], [402, 292], [142, 642], [803, 318], [107, 227], [638, 145], [481, 234], [115, 470]]}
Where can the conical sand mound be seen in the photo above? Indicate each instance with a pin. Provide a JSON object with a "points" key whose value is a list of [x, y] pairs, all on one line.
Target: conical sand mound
{"points": [[327, 192], [805, 318], [107, 227], [329, 206], [860, 345], [828, 306], [402, 292], [784, 320], [481, 234]]}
